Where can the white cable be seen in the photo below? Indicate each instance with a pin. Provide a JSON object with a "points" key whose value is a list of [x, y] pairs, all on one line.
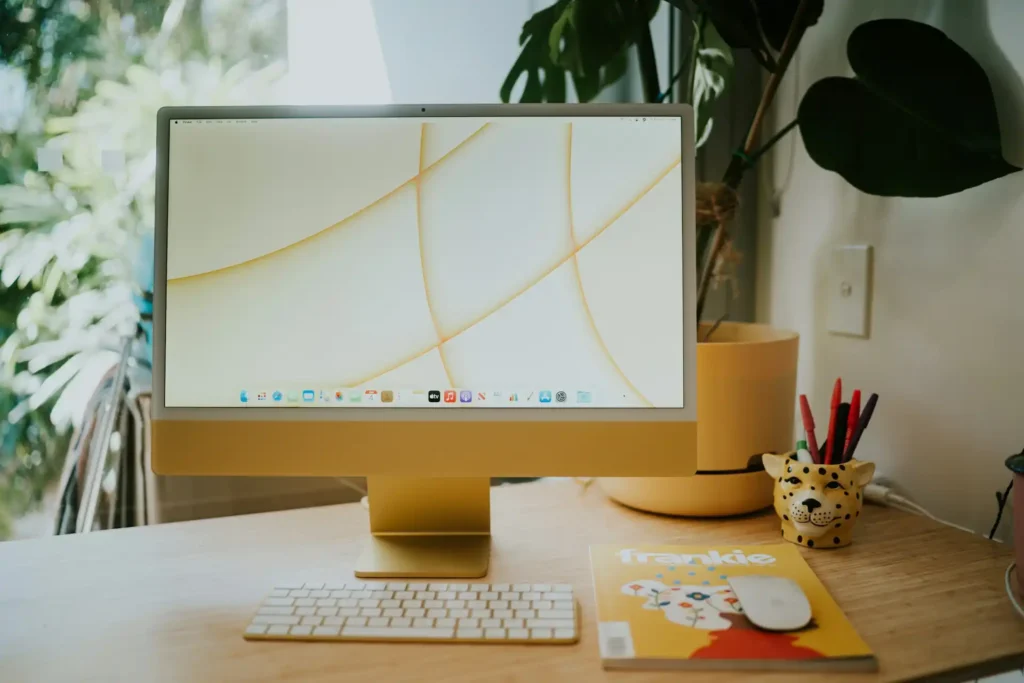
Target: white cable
{"points": [[1009, 591]]}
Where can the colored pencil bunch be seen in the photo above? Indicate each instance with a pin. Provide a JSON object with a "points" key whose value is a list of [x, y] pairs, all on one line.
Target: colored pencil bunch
{"points": [[846, 424]]}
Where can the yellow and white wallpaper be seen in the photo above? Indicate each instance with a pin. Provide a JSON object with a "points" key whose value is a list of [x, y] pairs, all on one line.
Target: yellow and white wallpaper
{"points": [[515, 255]]}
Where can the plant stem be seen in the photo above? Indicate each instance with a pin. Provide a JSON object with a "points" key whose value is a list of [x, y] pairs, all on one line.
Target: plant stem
{"points": [[648, 62], [691, 64], [739, 164], [668, 90], [760, 151]]}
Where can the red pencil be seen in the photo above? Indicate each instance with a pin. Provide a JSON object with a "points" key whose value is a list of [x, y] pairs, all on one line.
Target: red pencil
{"points": [[812, 441], [837, 398], [851, 424]]}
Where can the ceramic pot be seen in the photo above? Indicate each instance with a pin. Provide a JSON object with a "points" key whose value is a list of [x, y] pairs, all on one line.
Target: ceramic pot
{"points": [[818, 505], [746, 398]]}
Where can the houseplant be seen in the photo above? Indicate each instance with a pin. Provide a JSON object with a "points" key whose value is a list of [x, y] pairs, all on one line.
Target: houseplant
{"points": [[890, 130]]}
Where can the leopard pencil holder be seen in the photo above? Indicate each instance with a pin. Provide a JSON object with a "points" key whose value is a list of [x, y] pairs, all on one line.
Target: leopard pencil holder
{"points": [[818, 504]]}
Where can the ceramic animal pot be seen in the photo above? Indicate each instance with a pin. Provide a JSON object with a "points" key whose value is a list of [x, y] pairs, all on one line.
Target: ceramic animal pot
{"points": [[818, 504]]}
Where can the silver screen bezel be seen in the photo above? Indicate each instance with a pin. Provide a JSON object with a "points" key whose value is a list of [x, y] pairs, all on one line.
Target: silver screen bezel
{"points": [[687, 413]]}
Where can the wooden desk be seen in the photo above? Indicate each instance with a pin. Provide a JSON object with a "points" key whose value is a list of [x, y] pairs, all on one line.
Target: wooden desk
{"points": [[168, 603]]}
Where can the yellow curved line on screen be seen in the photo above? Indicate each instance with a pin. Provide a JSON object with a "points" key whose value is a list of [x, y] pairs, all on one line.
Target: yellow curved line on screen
{"points": [[343, 221], [422, 352]]}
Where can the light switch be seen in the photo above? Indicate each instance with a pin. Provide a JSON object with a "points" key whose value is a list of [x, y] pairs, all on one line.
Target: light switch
{"points": [[849, 293]]}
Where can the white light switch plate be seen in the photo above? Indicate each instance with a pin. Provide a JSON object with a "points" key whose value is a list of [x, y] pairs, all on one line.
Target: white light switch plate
{"points": [[849, 290]]}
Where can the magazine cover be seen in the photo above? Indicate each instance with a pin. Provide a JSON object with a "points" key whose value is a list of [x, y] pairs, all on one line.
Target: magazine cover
{"points": [[671, 607]]}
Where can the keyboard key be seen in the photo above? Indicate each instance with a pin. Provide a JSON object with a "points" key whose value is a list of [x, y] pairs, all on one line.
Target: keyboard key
{"points": [[565, 633], [437, 587], [305, 602], [554, 614], [278, 602], [531, 596], [334, 621], [469, 623], [278, 630], [313, 586], [275, 610], [370, 612], [256, 629], [382, 595], [479, 587], [401, 622], [542, 633], [396, 587], [312, 621], [327, 612], [518, 634], [426, 595], [348, 602], [509, 596], [455, 604], [319, 594], [415, 612], [379, 621], [502, 613], [438, 633], [298, 594], [458, 587], [477, 604], [470, 633], [301, 630], [543, 604], [404, 595], [494, 634], [519, 604], [349, 611], [498, 604], [282, 593], [549, 623], [512, 623], [526, 614], [374, 585], [437, 613], [466, 595], [341, 594], [355, 585], [326, 631], [326, 602], [412, 604], [434, 604], [480, 613], [388, 604], [393, 612], [548, 595], [369, 603], [460, 613], [446, 595], [362, 595], [561, 588], [491, 623], [562, 604], [500, 587], [356, 621], [305, 611], [541, 587], [488, 595], [521, 587], [422, 623], [447, 622]]}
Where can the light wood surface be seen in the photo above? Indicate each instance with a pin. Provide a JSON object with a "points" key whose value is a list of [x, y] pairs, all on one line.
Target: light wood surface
{"points": [[168, 603]]}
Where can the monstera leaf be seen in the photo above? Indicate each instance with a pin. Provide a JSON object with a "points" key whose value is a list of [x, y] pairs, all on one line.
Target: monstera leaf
{"points": [[545, 80], [917, 120]]}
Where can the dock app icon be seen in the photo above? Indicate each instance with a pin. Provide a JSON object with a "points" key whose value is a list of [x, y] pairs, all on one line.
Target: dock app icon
{"points": [[434, 396]]}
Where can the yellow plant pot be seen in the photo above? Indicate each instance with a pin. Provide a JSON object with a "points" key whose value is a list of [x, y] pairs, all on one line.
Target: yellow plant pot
{"points": [[746, 398]]}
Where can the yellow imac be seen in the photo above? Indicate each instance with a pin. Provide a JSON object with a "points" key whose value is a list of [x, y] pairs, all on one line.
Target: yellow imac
{"points": [[427, 296]]}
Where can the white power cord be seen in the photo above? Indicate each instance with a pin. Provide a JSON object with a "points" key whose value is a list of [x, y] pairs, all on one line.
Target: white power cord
{"points": [[881, 494]]}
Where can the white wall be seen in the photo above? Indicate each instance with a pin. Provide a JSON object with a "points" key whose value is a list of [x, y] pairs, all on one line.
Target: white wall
{"points": [[946, 352]]}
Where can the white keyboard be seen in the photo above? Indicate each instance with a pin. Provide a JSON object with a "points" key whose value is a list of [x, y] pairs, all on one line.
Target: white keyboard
{"points": [[418, 612]]}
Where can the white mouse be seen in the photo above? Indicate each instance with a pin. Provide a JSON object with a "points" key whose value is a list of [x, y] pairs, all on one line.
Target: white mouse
{"points": [[773, 603]]}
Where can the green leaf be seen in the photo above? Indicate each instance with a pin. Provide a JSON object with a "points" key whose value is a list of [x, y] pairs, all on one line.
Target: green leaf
{"points": [[894, 129], [713, 70], [545, 80], [776, 16], [737, 23]]}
